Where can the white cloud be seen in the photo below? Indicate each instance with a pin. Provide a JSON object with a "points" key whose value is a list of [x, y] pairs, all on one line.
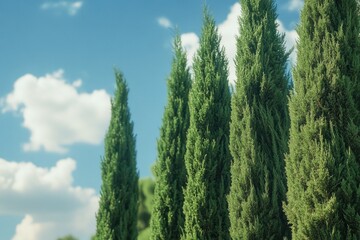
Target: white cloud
{"points": [[229, 29], [28, 229], [56, 113], [71, 8], [51, 205], [291, 37], [190, 42], [164, 22], [295, 5]]}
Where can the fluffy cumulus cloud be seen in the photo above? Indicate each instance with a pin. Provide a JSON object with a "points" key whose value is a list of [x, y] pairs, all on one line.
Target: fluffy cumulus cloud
{"points": [[48, 201], [70, 7], [291, 37], [56, 113], [190, 42], [228, 30], [164, 22], [295, 5]]}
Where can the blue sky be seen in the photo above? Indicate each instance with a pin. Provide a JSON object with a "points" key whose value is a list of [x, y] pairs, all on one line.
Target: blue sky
{"points": [[57, 59]]}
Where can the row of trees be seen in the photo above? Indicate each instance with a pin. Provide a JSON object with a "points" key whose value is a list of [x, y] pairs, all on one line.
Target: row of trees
{"points": [[264, 163]]}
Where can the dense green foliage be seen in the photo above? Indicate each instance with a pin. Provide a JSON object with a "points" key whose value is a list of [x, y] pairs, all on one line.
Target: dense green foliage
{"points": [[167, 219], [259, 126], [207, 157], [146, 192], [67, 237], [322, 167], [117, 215], [145, 234]]}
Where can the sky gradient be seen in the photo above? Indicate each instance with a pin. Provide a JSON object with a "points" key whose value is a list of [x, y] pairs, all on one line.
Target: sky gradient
{"points": [[57, 61]]}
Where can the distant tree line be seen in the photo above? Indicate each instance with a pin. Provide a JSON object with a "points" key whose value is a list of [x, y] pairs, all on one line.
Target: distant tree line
{"points": [[279, 158]]}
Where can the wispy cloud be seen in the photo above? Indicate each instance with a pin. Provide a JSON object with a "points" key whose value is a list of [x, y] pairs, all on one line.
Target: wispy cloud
{"points": [[71, 8], [164, 22], [295, 5]]}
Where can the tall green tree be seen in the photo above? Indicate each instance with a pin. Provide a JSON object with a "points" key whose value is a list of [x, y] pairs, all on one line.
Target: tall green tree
{"points": [[167, 219], [259, 126], [207, 157], [322, 167], [117, 215]]}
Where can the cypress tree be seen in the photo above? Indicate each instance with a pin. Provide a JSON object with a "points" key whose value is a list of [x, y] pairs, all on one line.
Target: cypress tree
{"points": [[117, 215], [259, 126], [323, 164], [207, 157], [167, 219]]}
